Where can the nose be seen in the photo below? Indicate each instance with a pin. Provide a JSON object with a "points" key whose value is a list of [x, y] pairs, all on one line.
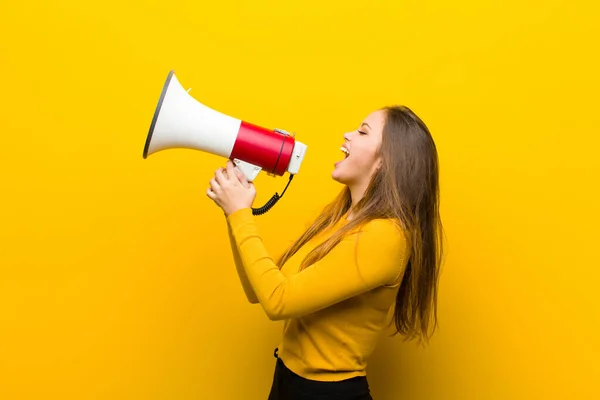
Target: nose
{"points": [[347, 136]]}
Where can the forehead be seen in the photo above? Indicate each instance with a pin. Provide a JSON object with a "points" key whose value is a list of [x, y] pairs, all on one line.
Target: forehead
{"points": [[375, 120]]}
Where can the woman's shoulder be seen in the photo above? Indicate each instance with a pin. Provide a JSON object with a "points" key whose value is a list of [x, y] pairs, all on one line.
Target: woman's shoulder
{"points": [[382, 250], [383, 233], [383, 227]]}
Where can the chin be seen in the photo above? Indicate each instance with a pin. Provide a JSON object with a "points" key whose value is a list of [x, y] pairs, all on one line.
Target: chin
{"points": [[336, 176]]}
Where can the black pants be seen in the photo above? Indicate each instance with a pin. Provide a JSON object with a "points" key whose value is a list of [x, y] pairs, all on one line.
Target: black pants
{"points": [[290, 386]]}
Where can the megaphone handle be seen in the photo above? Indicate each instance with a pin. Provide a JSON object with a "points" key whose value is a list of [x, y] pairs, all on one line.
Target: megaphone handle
{"points": [[250, 171]]}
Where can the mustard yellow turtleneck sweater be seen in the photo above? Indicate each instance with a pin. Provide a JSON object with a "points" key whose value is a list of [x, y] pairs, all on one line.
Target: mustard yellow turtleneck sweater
{"points": [[334, 310]]}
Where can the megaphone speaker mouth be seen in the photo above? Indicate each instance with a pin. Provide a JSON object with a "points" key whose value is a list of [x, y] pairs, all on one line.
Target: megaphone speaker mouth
{"points": [[157, 112]]}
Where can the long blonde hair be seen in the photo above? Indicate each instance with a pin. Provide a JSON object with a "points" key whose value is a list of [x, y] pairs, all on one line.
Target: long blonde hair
{"points": [[405, 189]]}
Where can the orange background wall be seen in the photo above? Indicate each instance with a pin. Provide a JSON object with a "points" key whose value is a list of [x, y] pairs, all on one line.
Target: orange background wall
{"points": [[116, 280]]}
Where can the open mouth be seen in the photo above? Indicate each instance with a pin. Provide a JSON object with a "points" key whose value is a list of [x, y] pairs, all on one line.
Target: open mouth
{"points": [[345, 151]]}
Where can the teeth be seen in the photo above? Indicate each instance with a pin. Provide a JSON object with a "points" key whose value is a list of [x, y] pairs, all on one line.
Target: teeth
{"points": [[345, 150]]}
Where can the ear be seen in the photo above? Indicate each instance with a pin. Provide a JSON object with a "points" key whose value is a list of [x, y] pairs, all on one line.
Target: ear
{"points": [[376, 167], [379, 163]]}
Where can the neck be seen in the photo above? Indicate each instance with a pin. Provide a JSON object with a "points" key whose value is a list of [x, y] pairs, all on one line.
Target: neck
{"points": [[357, 192]]}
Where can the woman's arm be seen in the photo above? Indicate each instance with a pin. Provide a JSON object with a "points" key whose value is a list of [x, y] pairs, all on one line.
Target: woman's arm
{"points": [[362, 261], [248, 290], [240, 269]]}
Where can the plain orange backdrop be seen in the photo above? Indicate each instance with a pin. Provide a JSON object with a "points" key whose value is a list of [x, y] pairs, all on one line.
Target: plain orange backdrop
{"points": [[116, 279]]}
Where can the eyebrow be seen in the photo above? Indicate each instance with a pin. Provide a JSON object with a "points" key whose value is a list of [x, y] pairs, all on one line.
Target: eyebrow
{"points": [[364, 123]]}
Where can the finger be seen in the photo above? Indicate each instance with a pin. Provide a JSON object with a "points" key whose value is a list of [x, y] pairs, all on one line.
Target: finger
{"points": [[220, 177], [231, 173], [242, 178], [225, 173], [214, 185], [211, 194]]}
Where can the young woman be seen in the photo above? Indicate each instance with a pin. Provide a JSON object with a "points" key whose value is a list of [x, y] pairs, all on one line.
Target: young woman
{"points": [[373, 252]]}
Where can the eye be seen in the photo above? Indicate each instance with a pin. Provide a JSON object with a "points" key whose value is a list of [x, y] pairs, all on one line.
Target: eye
{"points": [[361, 132]]}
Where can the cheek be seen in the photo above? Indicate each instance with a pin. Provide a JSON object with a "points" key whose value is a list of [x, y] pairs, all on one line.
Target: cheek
{"points": [[368, 157]]}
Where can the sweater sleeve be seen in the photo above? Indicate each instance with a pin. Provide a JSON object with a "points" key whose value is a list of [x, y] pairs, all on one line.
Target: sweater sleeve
{"points": [[362, 261], [239, 266]]}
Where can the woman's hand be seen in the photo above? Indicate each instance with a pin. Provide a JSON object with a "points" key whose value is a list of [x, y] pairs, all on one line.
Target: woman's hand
{"points": [[230, 189]]}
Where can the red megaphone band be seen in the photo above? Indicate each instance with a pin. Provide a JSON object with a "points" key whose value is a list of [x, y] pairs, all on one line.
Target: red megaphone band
{"points": [[266, 148]]}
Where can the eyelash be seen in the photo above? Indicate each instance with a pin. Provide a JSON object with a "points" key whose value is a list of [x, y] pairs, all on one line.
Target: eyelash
{"points": [[361, 132]]}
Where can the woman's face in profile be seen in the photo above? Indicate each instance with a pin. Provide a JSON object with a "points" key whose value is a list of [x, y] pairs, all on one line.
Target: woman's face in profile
{"points": [[361, 151]]}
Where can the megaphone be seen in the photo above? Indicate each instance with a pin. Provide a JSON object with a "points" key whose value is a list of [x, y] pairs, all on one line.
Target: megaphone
{"points": [[180, 121]]}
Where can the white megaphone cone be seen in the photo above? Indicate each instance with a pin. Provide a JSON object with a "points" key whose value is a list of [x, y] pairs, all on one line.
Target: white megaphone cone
{"points": [[180, 121]]}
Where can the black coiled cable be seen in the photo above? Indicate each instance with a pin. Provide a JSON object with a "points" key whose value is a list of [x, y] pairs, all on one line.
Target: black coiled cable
{"points": [[272, 200]]}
